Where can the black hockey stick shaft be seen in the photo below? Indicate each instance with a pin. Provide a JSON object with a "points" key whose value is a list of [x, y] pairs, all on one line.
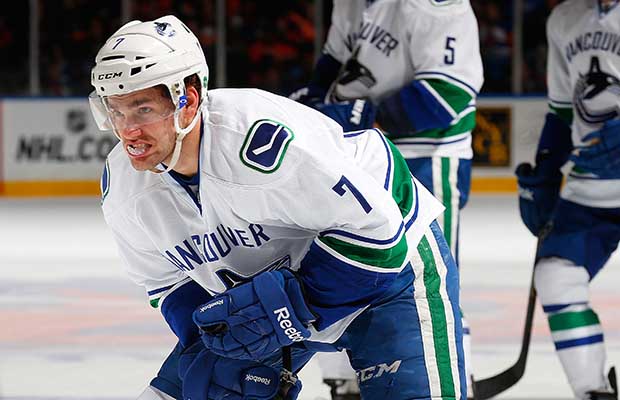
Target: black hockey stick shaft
{"points": [[492, 386], [287, 377]]}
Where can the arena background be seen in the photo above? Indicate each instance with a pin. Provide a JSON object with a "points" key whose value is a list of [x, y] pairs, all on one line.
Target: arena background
{"points": [[72, 324], [49, 145]]}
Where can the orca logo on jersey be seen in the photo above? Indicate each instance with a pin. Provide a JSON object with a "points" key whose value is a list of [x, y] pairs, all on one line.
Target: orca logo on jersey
{"points": [[354, 71], [597, 95], [265, 145]]}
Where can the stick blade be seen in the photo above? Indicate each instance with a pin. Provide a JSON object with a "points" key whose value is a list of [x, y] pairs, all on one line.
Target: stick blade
{"points": [[494, 385]]}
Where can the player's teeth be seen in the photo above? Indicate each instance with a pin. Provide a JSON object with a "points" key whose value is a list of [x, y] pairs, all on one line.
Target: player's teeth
{"points": [[136, 150]]}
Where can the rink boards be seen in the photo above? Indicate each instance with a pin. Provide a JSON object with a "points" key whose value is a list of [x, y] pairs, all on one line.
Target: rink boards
{"points": [[52, 147]]}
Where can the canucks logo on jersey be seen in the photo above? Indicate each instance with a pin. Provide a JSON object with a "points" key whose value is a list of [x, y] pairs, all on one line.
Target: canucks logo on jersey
{"points": [[265, 145], [597, 95]]}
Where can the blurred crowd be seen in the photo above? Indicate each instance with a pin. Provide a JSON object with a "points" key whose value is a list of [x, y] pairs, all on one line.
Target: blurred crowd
{"points": [[268, 47]]}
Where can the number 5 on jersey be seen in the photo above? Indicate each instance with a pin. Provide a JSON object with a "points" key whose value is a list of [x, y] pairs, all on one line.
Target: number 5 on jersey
{"points": [[340, 189]]}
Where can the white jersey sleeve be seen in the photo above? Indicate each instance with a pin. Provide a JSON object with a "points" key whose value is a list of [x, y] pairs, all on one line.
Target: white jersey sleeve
{"points": [[397, 41], [559, 85], [345, 20], [444, 43]]}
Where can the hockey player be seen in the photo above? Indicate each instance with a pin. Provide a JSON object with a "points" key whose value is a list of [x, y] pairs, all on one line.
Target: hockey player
{"points": [[419, 63], [255, 224], [583, 125]]}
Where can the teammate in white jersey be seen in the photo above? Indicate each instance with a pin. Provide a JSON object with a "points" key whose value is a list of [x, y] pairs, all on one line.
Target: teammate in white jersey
{"points": [[419, 63], [255, 224], [583, 125]]}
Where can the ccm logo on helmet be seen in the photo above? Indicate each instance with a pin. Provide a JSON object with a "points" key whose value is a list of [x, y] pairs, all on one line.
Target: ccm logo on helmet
{"points": [[292, 333], [109, 75]]}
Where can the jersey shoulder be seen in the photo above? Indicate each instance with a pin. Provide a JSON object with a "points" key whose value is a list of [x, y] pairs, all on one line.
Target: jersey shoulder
{"points": [[121, 183], [565, 15], [253, 137], [435, 8]]}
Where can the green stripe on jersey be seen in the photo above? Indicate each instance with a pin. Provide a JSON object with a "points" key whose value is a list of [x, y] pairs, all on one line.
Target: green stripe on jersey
{"points": [[456, 97], [447, 199], [565, 113], [403, 195], [572, 320], [465, 124], [402, 184], [432, 282], [154, 303], [393, 257]]}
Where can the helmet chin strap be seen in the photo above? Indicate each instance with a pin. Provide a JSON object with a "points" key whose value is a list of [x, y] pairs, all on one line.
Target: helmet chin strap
{"points": [[181, 132]]}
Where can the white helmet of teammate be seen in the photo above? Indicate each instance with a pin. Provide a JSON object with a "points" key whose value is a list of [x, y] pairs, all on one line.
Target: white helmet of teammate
{"points": [[606, 5], [142, 55]]}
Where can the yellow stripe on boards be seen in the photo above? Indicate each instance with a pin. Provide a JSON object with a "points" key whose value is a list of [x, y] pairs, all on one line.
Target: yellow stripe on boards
{"points": [[49, 188], [493, 184], [479, 184]]}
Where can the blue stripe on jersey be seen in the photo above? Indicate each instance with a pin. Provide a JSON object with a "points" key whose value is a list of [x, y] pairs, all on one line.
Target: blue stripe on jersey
{"points": [[354, 133], [567, 103], [474, 91], [424, 109], [565, 344], [416, 142], [388, 173], [590, 178], [551, 308], [337, 288], [386, 184], [339, 232], [159, 290], [414, 216], [178, 307]]}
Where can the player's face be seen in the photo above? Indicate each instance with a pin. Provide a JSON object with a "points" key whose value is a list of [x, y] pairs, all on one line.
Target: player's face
{"points": [[143, 121]]}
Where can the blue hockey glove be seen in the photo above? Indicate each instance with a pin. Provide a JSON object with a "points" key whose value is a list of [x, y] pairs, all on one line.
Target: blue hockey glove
{"points": [[602, 156], [538, 194], [253, 320], [309, 95], [352, 115], [324, 73], [207, 376]]}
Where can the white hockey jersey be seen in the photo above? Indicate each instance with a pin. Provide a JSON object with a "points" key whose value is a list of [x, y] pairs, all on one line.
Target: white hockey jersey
{"points": [[397, 41], [583, 69], [277, 181]]}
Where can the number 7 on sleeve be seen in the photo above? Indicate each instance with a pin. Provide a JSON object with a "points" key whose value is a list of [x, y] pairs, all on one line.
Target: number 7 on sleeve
{"points": [[340, 189]]}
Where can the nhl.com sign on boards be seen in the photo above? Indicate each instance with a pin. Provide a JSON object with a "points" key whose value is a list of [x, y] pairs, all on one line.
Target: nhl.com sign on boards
{"points": [[51, 144], [75, 143]]}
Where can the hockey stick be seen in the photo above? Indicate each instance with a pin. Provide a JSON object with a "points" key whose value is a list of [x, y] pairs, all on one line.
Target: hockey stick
{"points": [[287, 377], [491, 386]]}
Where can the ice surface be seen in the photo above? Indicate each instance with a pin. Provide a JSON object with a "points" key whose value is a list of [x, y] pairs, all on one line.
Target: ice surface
{"points": [[72, 325]]}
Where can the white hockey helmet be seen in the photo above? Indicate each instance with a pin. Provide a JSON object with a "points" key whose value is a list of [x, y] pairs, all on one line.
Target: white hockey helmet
{"points": [[142, 55]]}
